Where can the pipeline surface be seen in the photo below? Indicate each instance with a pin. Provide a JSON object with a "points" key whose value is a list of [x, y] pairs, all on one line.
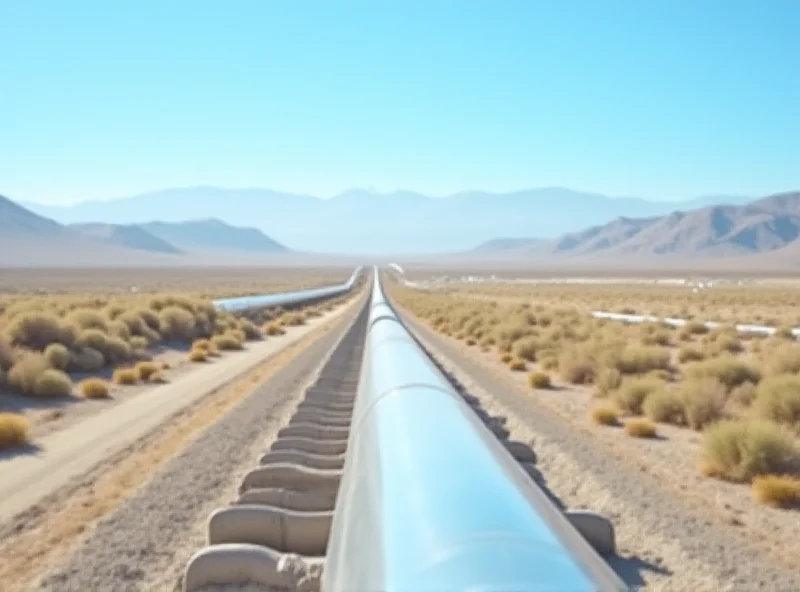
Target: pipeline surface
{"points": [[430, 500], [246, 303]]}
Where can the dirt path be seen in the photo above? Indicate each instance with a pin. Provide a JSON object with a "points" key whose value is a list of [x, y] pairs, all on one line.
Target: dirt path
{"points": [[27, 477]]}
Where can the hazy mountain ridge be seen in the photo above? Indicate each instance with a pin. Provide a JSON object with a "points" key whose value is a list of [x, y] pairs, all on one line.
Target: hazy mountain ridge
{"points": [[762, 226], [368, 222], [28, 239]]}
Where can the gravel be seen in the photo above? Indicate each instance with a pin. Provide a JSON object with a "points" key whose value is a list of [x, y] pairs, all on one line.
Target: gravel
{"points": [[662, 544], [145, 543]]}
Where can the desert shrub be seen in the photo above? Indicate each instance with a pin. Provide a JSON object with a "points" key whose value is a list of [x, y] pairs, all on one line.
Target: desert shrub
{"points": [[117, 350], [57, 356], [84, 318], [227, 342], [517, 365], [146, 369], [86, 359], [778, 399], [727, 344], [176, 324], [744, 394], [203, 344], [539, 380], [14, 430], [657, 337], [783, 359], [631, 395], [605, 414], [37, 330], [470, 342], [506, 358], [784, 332], [739, 450], [139, 343], [778, 491], [690, 354], [26, 371], [641, 360], [576, 366], [119, 329], [727, 369], [272, 329], [663, 406], [125, 376], [525, 349], [639, 427], [695, 328], [6, 354], [198, 355], [251, 332], [53, 383], [94, 388], [703, 401], [292, 319], [608, 380]]}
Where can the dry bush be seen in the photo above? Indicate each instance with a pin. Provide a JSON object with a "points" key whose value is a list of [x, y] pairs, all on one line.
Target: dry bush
{"points": [[631, 395], [26, 371], [608, 380], [86, 360], [539, 380], [739, 450], [125, 376], [470, 342], [272, 329], [641, 360], [292, 319], [52, 383], [576, 366], [203, 344], [703, 401], [744, 394], [227, 342], [695, 328], [251, 332], [506, 358], [176, 324], [728, 370], [36, 330], [15, 430], [517, 365], [783, 359], [146, 369], [605, 414], [157, 378], [57, 355], [639, 427], [690, 354], [778, 491], [778, 399], [6, 354], [198, 355], [727, 344], [94, 388], [525, 349], [664, 406]]}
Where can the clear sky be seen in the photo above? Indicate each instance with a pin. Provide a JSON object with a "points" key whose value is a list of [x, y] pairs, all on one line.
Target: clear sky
{"points": [[664, 99]]}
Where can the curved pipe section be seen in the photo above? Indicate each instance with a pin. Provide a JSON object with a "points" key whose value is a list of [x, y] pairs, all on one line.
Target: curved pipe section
{"points": [[287, 298], [430, 500]]}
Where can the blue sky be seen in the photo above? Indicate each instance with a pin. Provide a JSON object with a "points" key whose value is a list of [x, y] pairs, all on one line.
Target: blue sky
{"points": [[654, 98]]}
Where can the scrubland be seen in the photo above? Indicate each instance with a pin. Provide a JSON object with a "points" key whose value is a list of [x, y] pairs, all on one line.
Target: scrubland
{"points": [[93, 341], [771, 304], [728, 404]]}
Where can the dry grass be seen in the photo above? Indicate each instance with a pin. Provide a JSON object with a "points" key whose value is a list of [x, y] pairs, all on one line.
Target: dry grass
{"points": [[605, 414], [778, 491], [198, 355], [539, 380], [14, 430], [639, 427], [126, 376], [94, 388], [146, 369]]}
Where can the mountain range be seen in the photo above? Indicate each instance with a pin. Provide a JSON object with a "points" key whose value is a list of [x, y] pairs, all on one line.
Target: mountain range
{"points": [[768, 225], [28, 239], [360, 221]]}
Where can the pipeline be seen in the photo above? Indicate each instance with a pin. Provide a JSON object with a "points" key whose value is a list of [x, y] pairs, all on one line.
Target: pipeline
{"points": [[398, 486], [247, 303]]}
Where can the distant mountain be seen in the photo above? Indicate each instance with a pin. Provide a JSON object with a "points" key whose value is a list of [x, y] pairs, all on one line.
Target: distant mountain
{"points": [[128, 236], [360, 221], [212, 234], [762, 226]]}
